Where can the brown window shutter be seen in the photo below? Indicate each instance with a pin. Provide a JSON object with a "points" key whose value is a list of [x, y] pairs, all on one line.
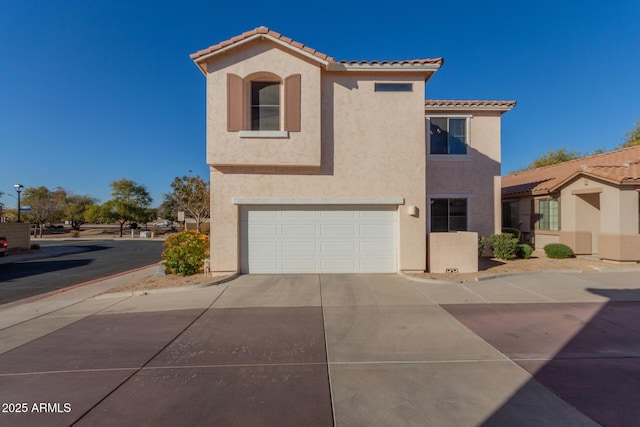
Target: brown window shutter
{"points": [[235, 111], [292, 103]]}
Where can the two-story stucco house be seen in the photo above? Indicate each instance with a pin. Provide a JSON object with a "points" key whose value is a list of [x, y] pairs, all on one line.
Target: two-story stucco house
{"points": [[326, 166]]}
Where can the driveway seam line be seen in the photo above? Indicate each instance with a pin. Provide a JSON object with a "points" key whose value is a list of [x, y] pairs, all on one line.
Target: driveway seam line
{"points": [[529, 291], [326, 350], [137, 370]]}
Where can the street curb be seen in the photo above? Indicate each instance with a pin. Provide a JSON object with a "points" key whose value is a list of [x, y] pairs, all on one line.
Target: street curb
{"points": [[433, 281], [90, 282], [524, 273]]}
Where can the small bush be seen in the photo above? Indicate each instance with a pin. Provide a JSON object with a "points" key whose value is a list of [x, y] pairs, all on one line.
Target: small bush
{"points": [[35, 246], [504, 245], [558, 250], [513, 231], [75, 233], [483, 242], [156, 230], [185, 252], [524, 251]]}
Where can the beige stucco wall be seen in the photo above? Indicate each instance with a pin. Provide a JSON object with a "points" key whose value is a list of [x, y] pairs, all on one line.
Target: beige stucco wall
{"points": [[601, 208], [228, 148], [17, 233], [372, 146], [542, 238], [453, 251], [475, 175], [619, 247]]}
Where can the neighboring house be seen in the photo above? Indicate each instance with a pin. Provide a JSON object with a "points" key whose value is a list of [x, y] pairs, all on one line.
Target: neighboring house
{"points": [[590, 204], [326, 166]]}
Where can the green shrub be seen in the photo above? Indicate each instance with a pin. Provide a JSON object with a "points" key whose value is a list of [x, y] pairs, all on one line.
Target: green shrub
{"points": [[75, 233], [558, 250], [185, 252], [483, 242], [524, 251], [504, 245], [35, 246], [514, 231]]}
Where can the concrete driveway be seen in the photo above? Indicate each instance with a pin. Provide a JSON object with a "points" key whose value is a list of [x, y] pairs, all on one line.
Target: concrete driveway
{"points": [[349, 350]]}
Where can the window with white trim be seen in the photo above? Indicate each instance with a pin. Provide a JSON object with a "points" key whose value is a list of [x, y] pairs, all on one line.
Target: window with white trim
{"points": [[448, 215], [448, 135]]}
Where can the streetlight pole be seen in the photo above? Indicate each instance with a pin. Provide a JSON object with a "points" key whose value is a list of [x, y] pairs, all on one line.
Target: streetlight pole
{"points": [[18, 188]]}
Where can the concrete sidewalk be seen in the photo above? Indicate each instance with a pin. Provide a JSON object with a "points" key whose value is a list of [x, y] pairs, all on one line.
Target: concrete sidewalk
{"points": [[331, 349]]}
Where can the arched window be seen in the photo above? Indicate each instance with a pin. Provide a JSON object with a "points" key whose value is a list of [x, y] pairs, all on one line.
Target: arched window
{"points": [[263, 102], [265, 105]]}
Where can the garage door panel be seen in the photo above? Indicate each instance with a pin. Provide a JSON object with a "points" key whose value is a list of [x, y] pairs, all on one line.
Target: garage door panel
{"points": [[338, 248], [372, 265], [299, 214], [303, 265], [377, 230], [318, 239], [338, 265], [338, 229], [376, 215], [263, 230], [298, 230], [296, 248], [378, 248]]}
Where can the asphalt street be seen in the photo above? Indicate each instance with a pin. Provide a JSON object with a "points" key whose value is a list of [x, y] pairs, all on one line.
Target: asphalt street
{"points": [[98, 259]]}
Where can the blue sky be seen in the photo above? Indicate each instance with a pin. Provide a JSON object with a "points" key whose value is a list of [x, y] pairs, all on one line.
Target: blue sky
{"points": [[95, 91]]}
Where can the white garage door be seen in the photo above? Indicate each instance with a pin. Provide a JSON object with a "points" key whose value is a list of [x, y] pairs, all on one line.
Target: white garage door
{"points": [[318, 239]]}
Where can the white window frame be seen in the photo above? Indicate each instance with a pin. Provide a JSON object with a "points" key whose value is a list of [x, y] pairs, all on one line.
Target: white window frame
{"points": [[450, 157]]}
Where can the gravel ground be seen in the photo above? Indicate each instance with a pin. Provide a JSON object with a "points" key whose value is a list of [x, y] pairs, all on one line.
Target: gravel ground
{"points": [[538, 262]]}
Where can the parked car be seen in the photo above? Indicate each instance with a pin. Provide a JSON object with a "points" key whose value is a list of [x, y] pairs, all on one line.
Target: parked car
{"points": [[4, 246], [163, 224]]}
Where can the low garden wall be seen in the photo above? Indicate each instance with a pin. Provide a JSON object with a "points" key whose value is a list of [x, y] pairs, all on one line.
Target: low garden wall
{"points": [[17, 233]]}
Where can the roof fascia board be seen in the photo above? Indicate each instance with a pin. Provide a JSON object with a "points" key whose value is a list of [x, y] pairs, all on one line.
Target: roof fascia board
{"points": [[302, 52], [576, 175]]}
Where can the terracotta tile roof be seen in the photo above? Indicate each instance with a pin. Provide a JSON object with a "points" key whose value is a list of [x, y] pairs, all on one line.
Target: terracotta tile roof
{"points": [[620, 167], [402, 62], [260, 30], [468, 103], [264, 30]]}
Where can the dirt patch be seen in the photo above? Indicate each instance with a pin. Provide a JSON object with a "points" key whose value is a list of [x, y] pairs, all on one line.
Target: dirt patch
{"points": [[168, 281], [539, 262]]}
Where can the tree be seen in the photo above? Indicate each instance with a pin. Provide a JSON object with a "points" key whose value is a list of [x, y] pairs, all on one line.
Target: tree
{"points": [[554, 157], [169, 208], [76, 209], [46, 205], [191, 194], [632, 137], [130, 203]]}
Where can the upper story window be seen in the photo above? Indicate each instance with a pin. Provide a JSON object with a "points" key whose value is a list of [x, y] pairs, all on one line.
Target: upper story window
{"points": [[265, 105], [393, 87], [548, 214], [448, 135]]}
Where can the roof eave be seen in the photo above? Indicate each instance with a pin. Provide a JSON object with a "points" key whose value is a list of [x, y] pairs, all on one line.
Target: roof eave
{"points": [[202, 60], [502, 109], [339, 66]]}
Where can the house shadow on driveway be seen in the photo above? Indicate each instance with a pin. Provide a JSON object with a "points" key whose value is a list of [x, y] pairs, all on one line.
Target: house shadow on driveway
{"points": [[586, 353]]}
